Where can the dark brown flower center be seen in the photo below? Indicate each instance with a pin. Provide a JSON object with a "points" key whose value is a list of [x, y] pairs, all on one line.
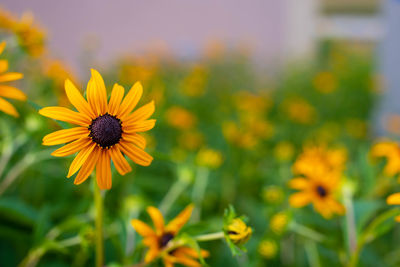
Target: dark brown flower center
{"points": [[105, 130], [165, 238], [321, 191]]}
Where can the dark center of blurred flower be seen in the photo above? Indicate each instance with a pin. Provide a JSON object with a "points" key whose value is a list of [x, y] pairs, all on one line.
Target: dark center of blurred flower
{"points": [[165, 238], [321, 191], [106, 130]]}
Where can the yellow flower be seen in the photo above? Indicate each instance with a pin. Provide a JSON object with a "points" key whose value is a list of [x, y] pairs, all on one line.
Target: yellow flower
{"points": [[273, 194], [194, 84], [209, 158], [299, 110], [105, 130], [325, 82], [238, 232], [191, 139], [284, 151], [391, 151], [160, 240], [268, 248], [317, 160], [180, 118], [6, 90], [279, 222], [319, 190], [394, 199]]}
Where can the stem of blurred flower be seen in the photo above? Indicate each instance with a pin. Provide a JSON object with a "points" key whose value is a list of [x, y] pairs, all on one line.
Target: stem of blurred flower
{"points": [[98, 199], [368, 234], [210, 237], [306, 232], [9, 148], [350, 219], [199, 188], [312, 253], [21, 166], [184, 178]]}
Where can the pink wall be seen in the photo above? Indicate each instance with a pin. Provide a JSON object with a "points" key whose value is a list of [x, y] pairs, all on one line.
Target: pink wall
{"points": [[132, 25]]}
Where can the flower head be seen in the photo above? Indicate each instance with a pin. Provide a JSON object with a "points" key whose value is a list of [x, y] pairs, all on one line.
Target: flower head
{"points": [[238, 231], [180, 118], [279, 222], [6, 90], [391, 151], [318, 190], [268, 248], [209, 158], [394, 199], [105, 132], [160, 240]]}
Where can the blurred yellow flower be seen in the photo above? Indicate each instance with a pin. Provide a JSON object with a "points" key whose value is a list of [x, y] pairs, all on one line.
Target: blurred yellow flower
{"points": [[160, 239], [299, 110], [279, 222], [209, 158], [6, 90], [238, 231], [7, 20], [191, 139], [30, 36], [325, 82], [318, 160], [237, 136], [320, 190], [394, 199], [252, 103], [107, 131], [273, 194], [180, 118], [194, 84], [284, 151], [391, 151], [268, 248]]}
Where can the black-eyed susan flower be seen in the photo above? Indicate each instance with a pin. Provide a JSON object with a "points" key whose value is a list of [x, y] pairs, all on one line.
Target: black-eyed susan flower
{"points": [[180, 118], [209, 158], [391, 151], [320, 191], [238, 231], [6, 90], [279, 222], [268, 248], [160, 240], [105, 132]]}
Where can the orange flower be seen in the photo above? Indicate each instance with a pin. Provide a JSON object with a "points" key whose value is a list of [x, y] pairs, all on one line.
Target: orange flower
{"points": [[105, 132], [160, 240]]}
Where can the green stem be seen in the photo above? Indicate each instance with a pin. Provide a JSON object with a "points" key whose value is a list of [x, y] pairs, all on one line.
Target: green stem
{"points": [[306, 232], [199, 189], [350, 220], [210, 237], [98, 199], [184, 178], [312, 253]]}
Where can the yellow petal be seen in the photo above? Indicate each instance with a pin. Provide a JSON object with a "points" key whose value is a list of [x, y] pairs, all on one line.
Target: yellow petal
{"points": [[101, 93], [117, 94], [3, 65], [176, 224], [12, 92], [91, 97], [67, 115], [65, 136], [72, 148], [131, 100], [138, 140], [299, 183], [140, 126], [88, 166], [120, 163], [103, 170], [151, 254], [10, 76], [157, 218], [6, 107], [135, 154], [77, 100], [2, 46], [142, 228], [393, 199], [299, 200], [80, 159], [142, 113]]}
